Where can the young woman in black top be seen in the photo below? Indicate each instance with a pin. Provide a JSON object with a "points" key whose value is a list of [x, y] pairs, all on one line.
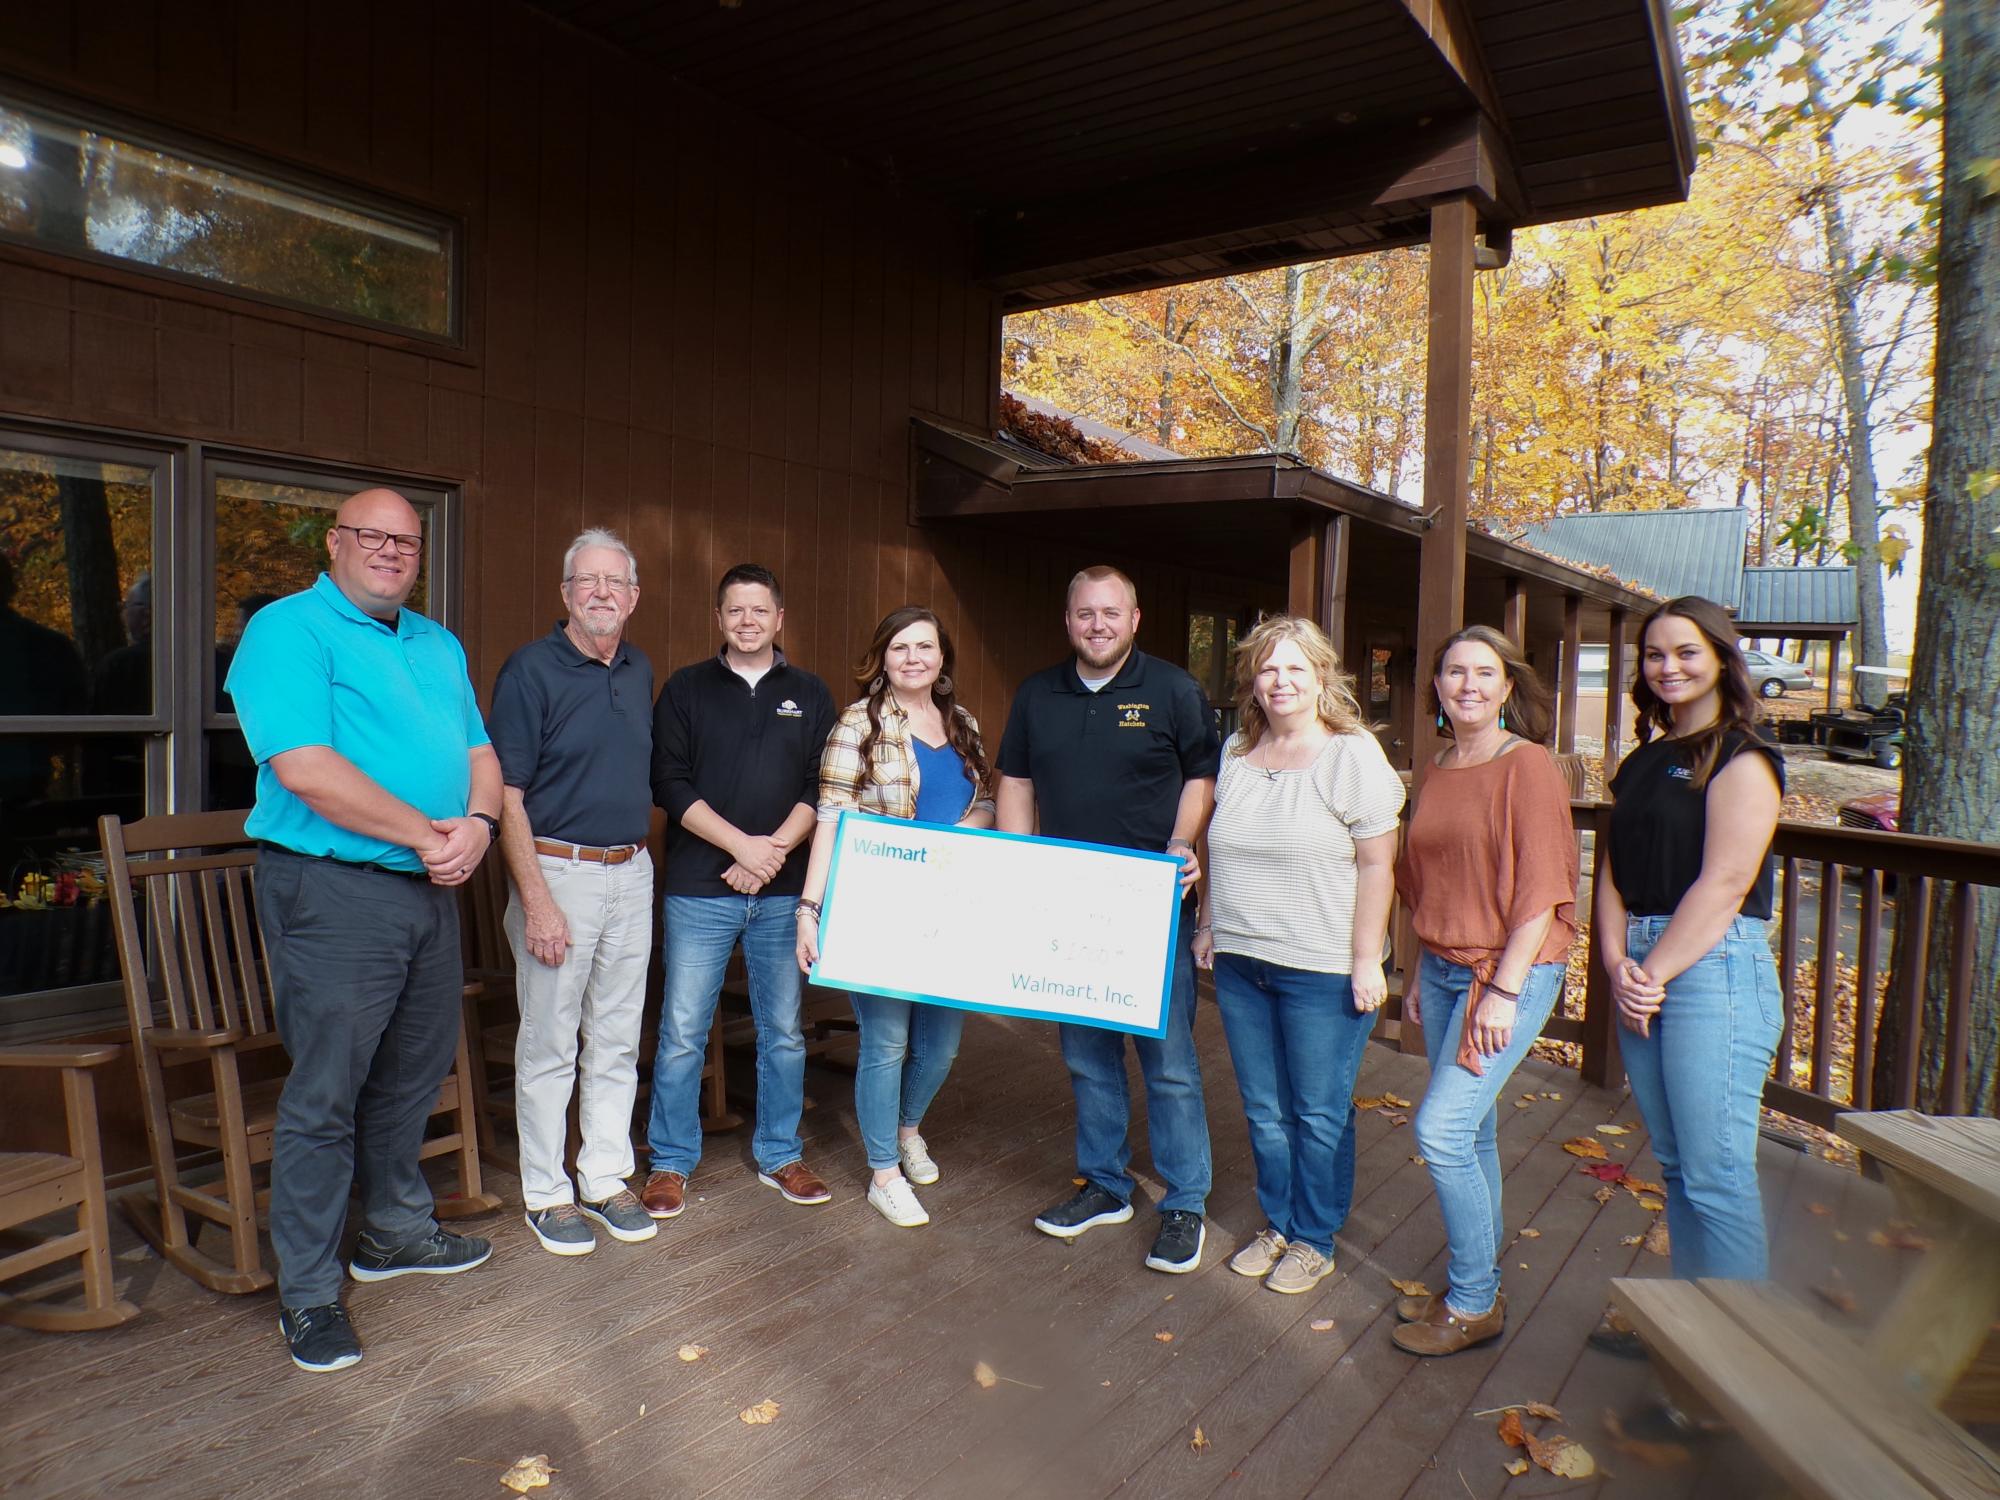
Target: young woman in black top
{"points": [[1682, 931]]}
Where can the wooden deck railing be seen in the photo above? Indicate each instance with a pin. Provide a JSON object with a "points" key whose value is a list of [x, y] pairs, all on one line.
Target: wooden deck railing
{"points": [[1917, 881]]}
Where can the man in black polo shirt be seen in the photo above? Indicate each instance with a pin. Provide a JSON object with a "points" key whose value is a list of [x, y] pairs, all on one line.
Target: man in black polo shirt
{"points": [[736, 747], [573, 724], [1117, 747]]}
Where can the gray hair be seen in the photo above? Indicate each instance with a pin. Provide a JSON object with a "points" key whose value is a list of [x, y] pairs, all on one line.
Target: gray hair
{"points": [[597, 536]]}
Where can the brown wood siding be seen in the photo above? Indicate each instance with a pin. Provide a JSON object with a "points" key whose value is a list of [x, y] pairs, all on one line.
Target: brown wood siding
{"points": [[680, 323]]}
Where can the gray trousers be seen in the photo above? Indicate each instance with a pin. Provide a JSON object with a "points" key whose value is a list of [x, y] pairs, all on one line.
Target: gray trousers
{"points": [[368, 981]]}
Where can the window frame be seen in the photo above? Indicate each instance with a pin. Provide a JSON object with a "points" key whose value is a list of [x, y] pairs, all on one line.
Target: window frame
{"points": [[177, 731], [87, 114]]}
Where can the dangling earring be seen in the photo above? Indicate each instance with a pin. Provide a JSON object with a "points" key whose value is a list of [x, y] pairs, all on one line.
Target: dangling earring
{"points": [[1503, 716], [877, 685], [1440, 720], [942, 685]]}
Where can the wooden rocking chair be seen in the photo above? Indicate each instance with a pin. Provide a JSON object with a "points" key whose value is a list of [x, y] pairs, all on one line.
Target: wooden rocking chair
{"points": [[199, 995], [35, 1183]]}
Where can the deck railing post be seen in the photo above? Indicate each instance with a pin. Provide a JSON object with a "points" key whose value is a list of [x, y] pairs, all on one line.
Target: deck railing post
{"points": [[1602, 1065]]}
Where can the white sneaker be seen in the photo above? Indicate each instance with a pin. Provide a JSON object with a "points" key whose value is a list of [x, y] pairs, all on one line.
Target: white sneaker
{"points": [[898, 1204], [917, 1163]]}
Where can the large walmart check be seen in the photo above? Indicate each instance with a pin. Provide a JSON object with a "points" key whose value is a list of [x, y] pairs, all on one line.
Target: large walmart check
{"points": [[1001, 922]]}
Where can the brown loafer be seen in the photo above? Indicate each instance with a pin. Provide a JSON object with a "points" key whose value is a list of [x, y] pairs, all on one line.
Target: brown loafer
{"points": [[1445, 1332], [1416, 1309], [665, 1194], [798, 1182]]}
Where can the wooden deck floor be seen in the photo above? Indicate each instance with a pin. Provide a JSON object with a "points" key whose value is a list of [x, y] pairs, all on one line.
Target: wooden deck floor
{"points": [[867, 1336]]}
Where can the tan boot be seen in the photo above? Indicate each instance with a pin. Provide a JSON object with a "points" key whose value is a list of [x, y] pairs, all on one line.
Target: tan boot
{"points": [[1445, 1332]]}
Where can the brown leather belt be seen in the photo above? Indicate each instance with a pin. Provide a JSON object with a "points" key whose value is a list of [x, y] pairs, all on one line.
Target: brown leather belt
{"points": [[616, 855]]}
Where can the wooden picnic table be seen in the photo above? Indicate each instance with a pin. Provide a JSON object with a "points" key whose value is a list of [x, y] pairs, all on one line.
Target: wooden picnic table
{"points": [[1945, 1173]]}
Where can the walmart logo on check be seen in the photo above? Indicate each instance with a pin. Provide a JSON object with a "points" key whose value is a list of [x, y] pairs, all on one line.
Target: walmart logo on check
{"points": [[883, 849]]}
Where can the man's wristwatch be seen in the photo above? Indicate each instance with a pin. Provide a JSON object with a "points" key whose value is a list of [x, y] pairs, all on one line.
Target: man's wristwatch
{"points": [[492, 826]]}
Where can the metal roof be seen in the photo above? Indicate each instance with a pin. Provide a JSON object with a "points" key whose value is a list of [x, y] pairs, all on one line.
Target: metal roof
{"points": [[1798, 596], [1670, 552]]}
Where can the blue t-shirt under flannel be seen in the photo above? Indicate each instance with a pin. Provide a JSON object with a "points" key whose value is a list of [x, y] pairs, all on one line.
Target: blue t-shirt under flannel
{"points": [[944, 786], [314, 669]]}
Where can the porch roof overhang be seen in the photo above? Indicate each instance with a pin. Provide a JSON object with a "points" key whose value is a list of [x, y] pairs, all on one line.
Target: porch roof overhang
{"points": [[1094, 147], [1238, 516]]}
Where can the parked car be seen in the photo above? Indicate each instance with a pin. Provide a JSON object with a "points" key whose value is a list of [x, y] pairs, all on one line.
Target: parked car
{"points": [[1878, 812], [1773, 676]]}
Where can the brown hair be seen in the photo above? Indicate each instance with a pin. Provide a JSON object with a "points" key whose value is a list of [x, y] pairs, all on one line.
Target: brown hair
{"points": [[1736, 706], [873, 680], [1336, 707], [1530, 707]]}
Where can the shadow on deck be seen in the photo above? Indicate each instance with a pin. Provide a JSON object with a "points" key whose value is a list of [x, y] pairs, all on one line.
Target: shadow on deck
{"points": [[867, 1336]]}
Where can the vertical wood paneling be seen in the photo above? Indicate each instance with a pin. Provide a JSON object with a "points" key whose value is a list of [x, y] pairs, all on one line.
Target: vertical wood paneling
{"points": [[338, 132], [117, 46], [951, 343], [651, 309], [399, 103], [799, 411], [562, 246], [398, 408], [34, 352], [607, 373], [923, 359], [833, 399], [336, 409], [803, 564], [114, 363], [271, 73], [459, 69], [649, 533], [746, 291], [197, 49], [44, 34], [694, 265], [694, 567], [513, 210], [504, 574]]}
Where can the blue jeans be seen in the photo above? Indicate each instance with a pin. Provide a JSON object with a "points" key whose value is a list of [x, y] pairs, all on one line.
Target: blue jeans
{"points": [[1296, 1039], [1457, 1125], [701, 931], [1698, 1079], [1177, 1122], [906, 1050]]}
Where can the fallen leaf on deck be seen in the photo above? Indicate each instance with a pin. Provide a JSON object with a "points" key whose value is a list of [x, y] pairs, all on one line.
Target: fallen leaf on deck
{"points": [[1199, 1442], [1819, 1210], [1563, 1457], [1420, 1161], [1836, 1294], [1510, 1429], [1605, 1194], [1410, 1288], [1637, 1185], [1631, 1239], [1543, 1409], [1397, 1100], [1524, 1265], [530, 1473], [1163, 1337], [1104, 1382], [983, 1376], [1322, 1325], [1586, 1147], [1079, 1182], [1612, 1130], [642, 1408], [1522, 1103], [1842, 1236], [689, 1353], [1369, 1101], [1898, 1236], [1604, 1171], [1650, 1204], [1656, 1241], [1531, 1234], [1556, 1097], [1395, 1119], [1517, 1468], [756, 1416], [1652, 1455]]}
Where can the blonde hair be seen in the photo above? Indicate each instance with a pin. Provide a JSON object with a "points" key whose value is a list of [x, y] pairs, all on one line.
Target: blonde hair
{"points": [[1101, 573], [1337, 707]]}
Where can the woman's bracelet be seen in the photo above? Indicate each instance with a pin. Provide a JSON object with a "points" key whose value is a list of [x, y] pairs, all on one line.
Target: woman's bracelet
{"points": [[1512, 997], [807, 909], [1205, 927]]}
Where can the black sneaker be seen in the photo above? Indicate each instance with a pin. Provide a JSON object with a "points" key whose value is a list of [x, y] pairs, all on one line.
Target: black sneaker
{"points": [[321, 1338], [1177, 1247], [1088, 1209], [440, 1254]]}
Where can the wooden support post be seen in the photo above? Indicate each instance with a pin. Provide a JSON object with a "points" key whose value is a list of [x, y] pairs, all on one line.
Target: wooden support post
{"points": [[1832, 673], [1614, 694], [1572, 647], [1447, 437], [1514, 615], [1336, 538], [1302, 571]]}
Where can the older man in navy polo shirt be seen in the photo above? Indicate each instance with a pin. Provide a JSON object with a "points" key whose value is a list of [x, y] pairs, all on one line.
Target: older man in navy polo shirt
{"points": [[1116, 747], [377, 794], [573, 724]]}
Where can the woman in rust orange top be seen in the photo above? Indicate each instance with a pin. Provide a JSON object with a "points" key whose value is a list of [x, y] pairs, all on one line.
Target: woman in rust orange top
{"points": [[1488, 873]]}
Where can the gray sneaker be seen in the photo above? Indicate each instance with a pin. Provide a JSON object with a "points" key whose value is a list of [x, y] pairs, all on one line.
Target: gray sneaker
{"points": [[561, 1230], [623, 1216], [1300, 1269], [1257, 1257]]}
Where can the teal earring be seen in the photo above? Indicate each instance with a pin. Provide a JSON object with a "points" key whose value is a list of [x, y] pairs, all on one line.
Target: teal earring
{"points": [[1440, 718], [1503, 716]]}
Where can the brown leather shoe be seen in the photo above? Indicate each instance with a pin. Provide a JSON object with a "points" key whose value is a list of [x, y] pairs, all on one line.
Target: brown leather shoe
{"points": [[798, 1182], [665, 1194], [1445, 1332], [1416, 1309]]}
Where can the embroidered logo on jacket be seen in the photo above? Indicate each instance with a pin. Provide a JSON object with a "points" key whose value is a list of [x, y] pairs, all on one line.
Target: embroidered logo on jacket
{"points": [[790, 710]]}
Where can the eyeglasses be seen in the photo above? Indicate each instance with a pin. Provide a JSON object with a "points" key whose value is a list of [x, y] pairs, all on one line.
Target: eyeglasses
{"points": [[372, 540], [587, 582]]}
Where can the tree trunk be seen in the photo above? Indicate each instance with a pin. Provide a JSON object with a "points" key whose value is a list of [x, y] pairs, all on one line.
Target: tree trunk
{"points": [[1289, 338], [1951, 773], [1863, 528], [91, 557], [1163, 421]]}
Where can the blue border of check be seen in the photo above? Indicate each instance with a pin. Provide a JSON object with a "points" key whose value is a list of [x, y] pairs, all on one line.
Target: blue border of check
{"points": [[1173, 928]]}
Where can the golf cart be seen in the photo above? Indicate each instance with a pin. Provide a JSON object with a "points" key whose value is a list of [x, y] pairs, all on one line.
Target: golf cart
{"points": [[1871, 727]]}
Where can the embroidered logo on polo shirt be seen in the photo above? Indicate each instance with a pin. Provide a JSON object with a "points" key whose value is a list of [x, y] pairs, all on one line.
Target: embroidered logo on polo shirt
{"points": [[1133, 715], [790, 710], [1680, 773]]}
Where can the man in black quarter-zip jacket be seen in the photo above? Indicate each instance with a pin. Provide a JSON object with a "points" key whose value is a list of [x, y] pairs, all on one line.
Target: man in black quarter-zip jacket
{"points": [[736, 749]]}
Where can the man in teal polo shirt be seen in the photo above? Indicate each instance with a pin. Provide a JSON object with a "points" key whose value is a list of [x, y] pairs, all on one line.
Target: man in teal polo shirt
{"points": [[377, 794]]}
